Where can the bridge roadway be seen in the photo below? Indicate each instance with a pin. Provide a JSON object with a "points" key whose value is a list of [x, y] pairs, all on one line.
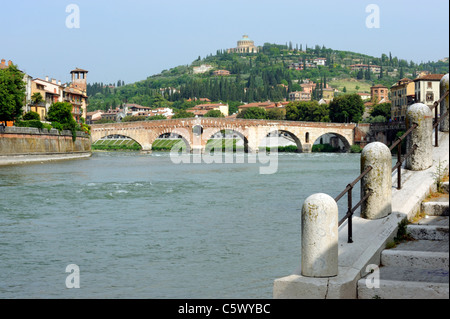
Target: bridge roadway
{"points": [[197, 131]]}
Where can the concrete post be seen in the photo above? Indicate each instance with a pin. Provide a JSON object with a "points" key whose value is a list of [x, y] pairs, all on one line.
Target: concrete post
{"points": [[422, 136], [444, 104], [378, 179], [319, 236]]}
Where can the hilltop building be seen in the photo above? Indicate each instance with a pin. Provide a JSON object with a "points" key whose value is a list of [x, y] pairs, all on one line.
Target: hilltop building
{"points": [[221, 72], [373, 68], [300, 96], [244, 45], [201, 69]]}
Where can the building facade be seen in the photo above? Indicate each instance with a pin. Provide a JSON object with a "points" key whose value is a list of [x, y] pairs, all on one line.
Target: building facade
{"points": [[75, 94], [371, 67], [201, 69], [201, 109], [426, 89], [402, 95], [300, 96], [221, 72], [379, 93], [244, 45]]}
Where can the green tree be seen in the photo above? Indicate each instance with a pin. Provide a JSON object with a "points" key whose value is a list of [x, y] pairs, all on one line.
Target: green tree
{"points": [[308, 111], [256, 113], [31, 116], [292, 112], [156, 117], [382, 109], [61, 112], [276, 114], [12, 93], [346, 108], [214, 113], [360, 75], [181, 114], [37, 98]]}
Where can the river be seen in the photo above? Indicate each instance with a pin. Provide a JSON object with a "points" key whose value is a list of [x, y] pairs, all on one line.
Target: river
{"points": [[141, 226]]}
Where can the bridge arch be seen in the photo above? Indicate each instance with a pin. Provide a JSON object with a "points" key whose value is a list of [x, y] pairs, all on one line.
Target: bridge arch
{"points": [[336, 140], [294, 138], [209, 133], [116, 140], [182, 133]]}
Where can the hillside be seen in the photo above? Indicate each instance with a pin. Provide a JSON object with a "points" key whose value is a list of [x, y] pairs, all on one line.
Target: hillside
{"points": [[268, 75]]}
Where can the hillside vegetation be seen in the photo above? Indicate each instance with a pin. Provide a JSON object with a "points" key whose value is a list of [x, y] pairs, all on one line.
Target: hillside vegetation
{"points": [[257, 77]]}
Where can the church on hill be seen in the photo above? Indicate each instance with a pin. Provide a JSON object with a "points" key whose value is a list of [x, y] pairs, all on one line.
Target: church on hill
{"points": [[244, 45]]}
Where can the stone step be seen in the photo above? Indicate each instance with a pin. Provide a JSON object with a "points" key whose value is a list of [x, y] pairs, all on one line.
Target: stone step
{"points": [[415, 259], [429, 232], [445, 187], [394, 289], [433, 220], [437, 207], [392, 282]]}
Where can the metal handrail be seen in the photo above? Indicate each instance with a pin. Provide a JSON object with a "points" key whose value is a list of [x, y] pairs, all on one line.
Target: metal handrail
{"points": [[350, 208], [436, 120], [398, 142], [398, 165]]}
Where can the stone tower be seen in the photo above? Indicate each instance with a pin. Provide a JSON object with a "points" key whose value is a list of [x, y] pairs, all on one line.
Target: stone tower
{"points": [[79, 79]]}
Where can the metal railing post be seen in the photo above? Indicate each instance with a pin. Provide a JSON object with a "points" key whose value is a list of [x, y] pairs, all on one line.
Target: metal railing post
{"points": [[350, 215], [399, 168]]}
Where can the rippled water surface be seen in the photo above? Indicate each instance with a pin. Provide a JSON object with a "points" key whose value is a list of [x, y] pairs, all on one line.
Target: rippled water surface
{"points": [[140, 226]]}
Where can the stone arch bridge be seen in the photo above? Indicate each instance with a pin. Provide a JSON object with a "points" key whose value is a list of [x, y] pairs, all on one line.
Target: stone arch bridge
{"points": [[197, 131]]}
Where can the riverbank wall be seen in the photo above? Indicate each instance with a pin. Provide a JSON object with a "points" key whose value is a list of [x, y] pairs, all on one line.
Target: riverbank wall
{"points": [[28, 144]]}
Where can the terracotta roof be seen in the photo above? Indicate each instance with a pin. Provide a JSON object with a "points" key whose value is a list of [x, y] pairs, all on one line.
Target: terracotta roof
{"points": [[430, 77], [257, 104], [208, 105], [198, 112], [78, 70], [94, 112]]}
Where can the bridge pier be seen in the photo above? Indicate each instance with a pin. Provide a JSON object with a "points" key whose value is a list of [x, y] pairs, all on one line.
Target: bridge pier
{"points": [[306, 148], [146, 147]]}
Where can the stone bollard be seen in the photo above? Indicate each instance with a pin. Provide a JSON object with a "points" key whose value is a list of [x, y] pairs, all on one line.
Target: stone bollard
{"points": [[378, 180], [444, 104], [422, 136], [319, 236]]}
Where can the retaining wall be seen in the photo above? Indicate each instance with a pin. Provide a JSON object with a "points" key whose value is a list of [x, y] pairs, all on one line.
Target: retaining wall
{"points": [[34, 141]]}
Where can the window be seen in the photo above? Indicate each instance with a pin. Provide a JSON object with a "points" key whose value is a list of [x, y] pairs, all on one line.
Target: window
{"points": [[430, 85], [430, 97]]}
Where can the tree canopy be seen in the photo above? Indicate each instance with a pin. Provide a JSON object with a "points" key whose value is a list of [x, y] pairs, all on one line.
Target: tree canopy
{"points": [[310, 111], [181, 114], [383, 109], [12, 93], [214, 113], [346, 108], [255, 113], [61, 112]]}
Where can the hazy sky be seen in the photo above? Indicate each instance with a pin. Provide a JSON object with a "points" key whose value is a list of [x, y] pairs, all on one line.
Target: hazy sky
{"points": [[131, 40]]}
